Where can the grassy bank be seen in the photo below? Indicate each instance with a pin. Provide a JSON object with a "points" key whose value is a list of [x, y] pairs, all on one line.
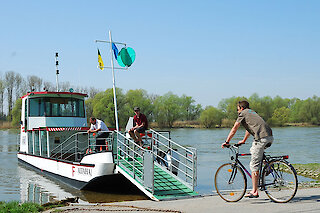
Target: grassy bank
{"points": [[15, 206], [310, 170], [7, 125]]}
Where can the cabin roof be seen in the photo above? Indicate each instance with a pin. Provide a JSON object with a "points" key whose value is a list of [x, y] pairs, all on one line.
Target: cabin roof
{"points": [[54, 93]]}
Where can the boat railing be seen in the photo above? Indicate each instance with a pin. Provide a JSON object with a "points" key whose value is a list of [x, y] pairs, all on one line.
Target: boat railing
{"points": [[135, 160], [179, 160], [80, 144]]}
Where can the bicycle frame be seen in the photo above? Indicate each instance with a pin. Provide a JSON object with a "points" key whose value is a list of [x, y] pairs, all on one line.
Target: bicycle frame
{"points": [[266, 158], [237, 162]]}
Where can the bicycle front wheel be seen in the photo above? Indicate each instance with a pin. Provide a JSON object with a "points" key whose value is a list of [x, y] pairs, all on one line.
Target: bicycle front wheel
{"points": [[230, 182], [280, 181]]}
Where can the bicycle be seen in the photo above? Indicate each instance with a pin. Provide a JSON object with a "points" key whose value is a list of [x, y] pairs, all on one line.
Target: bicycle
{"points": [[278, 178]]}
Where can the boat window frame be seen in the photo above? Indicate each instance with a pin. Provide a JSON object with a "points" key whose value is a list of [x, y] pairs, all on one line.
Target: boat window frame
{"points": [[79, 106]]}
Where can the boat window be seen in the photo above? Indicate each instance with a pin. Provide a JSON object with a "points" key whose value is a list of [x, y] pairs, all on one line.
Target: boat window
{"points": [[30, 142], [56, 107], [36, 143], [44, 147], [36, 107]]}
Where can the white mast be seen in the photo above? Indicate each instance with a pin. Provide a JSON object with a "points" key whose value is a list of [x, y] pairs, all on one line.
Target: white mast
{"points": [[113, 76], [114, 85]]}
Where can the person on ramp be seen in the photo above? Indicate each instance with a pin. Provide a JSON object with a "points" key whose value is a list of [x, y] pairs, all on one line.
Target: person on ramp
{"points": [[141, 125], [263, 138]]}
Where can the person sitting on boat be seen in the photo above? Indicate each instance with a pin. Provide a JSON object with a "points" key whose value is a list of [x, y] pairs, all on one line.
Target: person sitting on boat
{"points": [[141, 124], [101, 130]]}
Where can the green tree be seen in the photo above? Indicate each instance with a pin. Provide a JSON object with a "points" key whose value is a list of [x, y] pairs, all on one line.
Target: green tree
{"points": [[2, 91], [310, 110], [211, 117], [16, 113], [89, 107], [139, 98], [229, 106], [103, 107], [296, 107], [189, 111], [263, 105], [280, 116], [167, 109]]}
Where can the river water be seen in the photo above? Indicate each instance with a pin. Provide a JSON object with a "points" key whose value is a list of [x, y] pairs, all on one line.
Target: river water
{"points": [[18, 182]]}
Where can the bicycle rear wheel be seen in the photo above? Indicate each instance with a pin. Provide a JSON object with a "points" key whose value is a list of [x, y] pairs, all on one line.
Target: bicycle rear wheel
{"points": [[280, 181], [230, 182]]}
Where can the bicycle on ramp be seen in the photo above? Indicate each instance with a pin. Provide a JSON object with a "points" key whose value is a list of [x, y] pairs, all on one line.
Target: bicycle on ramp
{"points": [[278, 178]]}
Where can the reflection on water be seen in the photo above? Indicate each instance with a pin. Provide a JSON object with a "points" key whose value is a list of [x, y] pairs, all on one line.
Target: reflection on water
{"points": [[34, 194], [41, 189], [36, 188]]}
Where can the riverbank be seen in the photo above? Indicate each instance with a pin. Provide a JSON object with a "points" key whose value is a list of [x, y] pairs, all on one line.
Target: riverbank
{"points": [[310, 170], [6, 125], [304, 201], [15, 206], [226, 123]]}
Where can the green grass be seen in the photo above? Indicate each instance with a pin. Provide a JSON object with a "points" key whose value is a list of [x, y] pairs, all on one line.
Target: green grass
{"points": [[311, 170], [16, 207], [310, 166]]}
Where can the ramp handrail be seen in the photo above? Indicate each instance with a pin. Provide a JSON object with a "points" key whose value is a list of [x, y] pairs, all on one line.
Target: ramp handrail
{"points": [[137, 162], [179, 160]]}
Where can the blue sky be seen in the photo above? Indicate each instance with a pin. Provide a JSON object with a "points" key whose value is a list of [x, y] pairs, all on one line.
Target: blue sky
{"points": [[209, 50]]}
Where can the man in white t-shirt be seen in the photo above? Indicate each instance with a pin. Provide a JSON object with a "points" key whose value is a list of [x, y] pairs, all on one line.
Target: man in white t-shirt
{"points": [[101, 129]]}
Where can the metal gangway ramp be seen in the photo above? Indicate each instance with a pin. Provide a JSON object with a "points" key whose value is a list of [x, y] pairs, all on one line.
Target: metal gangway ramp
{"points": [[162, 169]]}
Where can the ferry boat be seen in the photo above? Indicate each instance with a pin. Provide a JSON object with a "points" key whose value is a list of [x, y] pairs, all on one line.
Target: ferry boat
{"points": [[54, 139]]}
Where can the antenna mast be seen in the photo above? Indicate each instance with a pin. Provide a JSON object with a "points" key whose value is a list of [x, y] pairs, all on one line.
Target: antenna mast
{"points": [[57, 72]]}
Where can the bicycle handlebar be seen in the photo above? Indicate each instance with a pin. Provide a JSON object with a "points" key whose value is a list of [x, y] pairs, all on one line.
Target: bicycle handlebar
{"points": [[236, 145]]}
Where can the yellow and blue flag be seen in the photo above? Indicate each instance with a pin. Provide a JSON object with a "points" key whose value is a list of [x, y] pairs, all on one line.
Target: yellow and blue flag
{"points": [[101, 66], [115, 50]]}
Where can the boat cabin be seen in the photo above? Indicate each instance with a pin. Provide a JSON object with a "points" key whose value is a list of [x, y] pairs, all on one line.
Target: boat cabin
{"points": [[50, 118]]}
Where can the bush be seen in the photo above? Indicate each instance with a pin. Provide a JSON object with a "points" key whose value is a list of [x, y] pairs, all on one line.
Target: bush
{"points": [[211, 117]]}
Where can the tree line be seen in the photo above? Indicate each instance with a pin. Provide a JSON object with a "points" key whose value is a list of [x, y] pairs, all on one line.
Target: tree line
{"points": [[13, 86], [276, 111], [164, 110], [168, 108]]}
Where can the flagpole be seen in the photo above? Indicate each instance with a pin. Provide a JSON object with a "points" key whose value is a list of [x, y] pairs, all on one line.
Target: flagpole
{"points": [[114, 85]]}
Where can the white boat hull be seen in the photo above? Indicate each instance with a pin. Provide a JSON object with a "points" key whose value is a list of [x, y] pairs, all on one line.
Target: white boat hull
{"points": [[77, 175]]}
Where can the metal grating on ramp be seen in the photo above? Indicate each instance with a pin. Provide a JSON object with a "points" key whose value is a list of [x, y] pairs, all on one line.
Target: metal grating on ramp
{"points": [[162, 169], [166, 186]]}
